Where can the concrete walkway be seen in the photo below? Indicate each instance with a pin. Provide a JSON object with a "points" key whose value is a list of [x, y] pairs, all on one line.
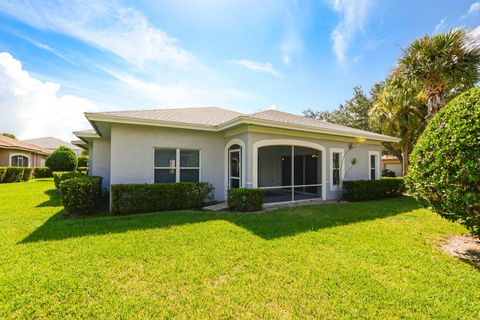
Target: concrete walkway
{"points": [[223, 206]]}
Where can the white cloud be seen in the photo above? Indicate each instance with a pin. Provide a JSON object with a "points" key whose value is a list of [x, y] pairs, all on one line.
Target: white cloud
{"points": [[33, 108], [354, 14], [473, 10], [290, 44], [257, 66], [120, 30], [440, 27], [473, 37]]}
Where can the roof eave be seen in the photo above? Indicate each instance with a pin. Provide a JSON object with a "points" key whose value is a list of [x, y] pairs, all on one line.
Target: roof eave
{"points": [[268, 123]]}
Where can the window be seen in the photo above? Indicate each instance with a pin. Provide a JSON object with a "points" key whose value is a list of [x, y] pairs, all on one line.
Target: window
{"points": [[19, 161], [176, 165], [373, 157], [337, 165]]}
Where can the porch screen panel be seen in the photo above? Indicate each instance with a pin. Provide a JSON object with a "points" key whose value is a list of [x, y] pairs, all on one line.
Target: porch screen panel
{"points": [[275, 172], [289, 173]]}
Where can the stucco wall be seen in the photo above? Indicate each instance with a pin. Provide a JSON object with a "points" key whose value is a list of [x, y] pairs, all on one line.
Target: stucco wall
{"points": [[132, 153], [100, 160], [35, 160], [4, 157], [356, 172]]}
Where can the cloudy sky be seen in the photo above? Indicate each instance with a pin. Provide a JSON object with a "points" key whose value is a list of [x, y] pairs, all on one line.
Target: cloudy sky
{"points": [[59, 59]]}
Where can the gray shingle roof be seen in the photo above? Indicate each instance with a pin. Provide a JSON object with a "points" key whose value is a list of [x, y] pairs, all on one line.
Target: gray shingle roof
{"points": [[289, 118], [210, 116], [214, 117]]}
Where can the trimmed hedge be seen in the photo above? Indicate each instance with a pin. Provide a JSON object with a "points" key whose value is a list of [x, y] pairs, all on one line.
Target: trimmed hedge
{"points": [[42, 172], [141, 198], [59, 176], [13, 174], [444, 171], [62, 159], [82, 170], [245, 199], [83, 161], [81, 195], [3, 172], [362, 190], [27, 173]]}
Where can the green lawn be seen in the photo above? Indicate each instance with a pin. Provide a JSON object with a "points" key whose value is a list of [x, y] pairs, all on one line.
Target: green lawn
{"points": [[371, 260]]}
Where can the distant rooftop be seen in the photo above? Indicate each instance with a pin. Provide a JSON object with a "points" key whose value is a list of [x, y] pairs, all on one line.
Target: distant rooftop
{"points": [[51, 143], [10, 143]]}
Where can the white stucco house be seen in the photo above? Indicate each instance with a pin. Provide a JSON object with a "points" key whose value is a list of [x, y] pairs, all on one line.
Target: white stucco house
{"points": [[290, 156]]}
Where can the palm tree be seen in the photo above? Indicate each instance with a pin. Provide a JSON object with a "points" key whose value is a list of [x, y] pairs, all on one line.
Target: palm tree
{"points": [[443, 64], [399, 110]]}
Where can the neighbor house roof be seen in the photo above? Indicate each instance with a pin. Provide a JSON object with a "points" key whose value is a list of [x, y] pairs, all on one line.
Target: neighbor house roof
{"points": [[51, 143], [218, 119], [10, 143]]}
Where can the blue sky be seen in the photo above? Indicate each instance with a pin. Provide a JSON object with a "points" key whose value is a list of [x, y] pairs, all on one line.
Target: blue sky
{"points": [[61, 58]]}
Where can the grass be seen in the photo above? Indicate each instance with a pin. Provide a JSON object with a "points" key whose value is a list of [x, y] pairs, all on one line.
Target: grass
{"points": [[366, 260]]}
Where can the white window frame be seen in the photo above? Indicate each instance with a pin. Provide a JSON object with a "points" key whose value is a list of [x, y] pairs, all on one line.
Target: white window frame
{"points": [[377, 164], [239, 178], [22, 155], [177, 167], [342, 168]]}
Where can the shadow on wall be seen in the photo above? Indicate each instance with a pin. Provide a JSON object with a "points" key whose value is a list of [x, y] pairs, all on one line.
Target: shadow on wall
{"points": [[268, 225]]}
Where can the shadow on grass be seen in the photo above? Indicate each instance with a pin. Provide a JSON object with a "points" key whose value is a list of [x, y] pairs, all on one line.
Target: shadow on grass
{"points": [[267, 225], [53, 201]]}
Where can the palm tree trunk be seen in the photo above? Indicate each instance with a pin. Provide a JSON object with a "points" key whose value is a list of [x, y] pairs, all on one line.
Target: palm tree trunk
{"points": [[435, 102], [405, 155]]}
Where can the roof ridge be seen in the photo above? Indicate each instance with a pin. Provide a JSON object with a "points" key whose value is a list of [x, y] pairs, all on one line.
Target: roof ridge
{"points": [[171, 109]]}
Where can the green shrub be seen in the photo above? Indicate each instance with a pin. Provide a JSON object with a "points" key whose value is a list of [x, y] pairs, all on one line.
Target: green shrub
{"points": [[60, 176], [138, 198], [82, 170], [27, 174], [14, 174], [42, 172], [83, 161], [245, 199], [81, 195], [444, 171], [387, 173], [3, 172], [362, 190], [62, 159]]}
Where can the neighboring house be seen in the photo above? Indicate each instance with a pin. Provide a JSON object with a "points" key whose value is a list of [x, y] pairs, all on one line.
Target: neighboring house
{"points": [[52, 144], [290, 156], [18, 153], [392, 163]]}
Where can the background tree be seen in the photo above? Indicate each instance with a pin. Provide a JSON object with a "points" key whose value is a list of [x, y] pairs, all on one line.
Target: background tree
{"points": [[354, 112], [443, 64], [10, 135], [399, 111]]}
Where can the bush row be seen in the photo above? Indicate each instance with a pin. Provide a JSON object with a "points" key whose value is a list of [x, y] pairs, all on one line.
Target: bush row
{"points": [[361, 190], [59, 176], [140, 198], [245, 199], [42, 172], [15, 174], [81, 194]]}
